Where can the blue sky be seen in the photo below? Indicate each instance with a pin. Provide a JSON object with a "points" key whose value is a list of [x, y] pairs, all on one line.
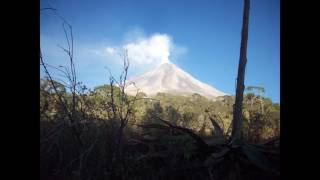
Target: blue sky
{"points": [[200, 36]]}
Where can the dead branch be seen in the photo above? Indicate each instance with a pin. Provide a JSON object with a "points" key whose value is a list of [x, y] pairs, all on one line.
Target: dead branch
{"points": [[199, 141]]}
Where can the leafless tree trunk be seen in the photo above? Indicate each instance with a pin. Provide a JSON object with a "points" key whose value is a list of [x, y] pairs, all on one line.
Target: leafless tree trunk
{"points": [[237, 114]]}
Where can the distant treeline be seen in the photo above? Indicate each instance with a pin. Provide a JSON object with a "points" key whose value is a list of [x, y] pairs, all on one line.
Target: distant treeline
{"points": [[261, 115]]}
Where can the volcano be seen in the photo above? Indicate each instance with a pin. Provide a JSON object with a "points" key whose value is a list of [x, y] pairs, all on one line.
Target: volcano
{"points": [[168, 78]]}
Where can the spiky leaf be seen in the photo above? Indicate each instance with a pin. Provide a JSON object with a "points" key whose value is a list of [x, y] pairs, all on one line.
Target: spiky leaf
{"points": [[258, 158]]}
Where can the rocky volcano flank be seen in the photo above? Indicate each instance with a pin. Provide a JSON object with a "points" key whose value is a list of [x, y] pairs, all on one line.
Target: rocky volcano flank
{"points": [[168, 78]]}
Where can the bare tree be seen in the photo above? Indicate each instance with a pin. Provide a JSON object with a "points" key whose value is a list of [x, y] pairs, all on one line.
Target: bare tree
{"points": [[237, 114]]}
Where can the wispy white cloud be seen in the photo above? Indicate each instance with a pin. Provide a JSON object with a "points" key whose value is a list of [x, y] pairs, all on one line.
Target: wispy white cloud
{"points": [[142, 50], [155, 49], [111, 50]]}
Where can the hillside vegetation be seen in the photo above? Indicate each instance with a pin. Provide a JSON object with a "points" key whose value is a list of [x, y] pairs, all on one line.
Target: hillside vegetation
{"points": [[104, 133]]}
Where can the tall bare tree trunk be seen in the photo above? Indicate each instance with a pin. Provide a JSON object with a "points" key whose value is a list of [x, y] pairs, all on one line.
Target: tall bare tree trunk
{"points": [[237, 114]]}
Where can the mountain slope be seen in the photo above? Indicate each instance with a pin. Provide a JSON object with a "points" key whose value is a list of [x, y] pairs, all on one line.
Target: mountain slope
{"points": [[169, 78]]}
